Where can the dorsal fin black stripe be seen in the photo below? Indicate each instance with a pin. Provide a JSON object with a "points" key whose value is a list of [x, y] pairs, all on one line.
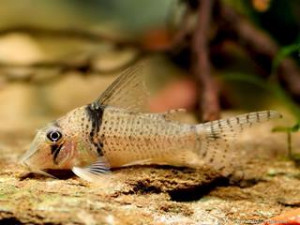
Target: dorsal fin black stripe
{"points": [[95, 114]]}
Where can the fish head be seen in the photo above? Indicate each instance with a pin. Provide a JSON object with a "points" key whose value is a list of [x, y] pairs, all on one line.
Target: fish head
{"points": [[61, 144], [49, 149]]}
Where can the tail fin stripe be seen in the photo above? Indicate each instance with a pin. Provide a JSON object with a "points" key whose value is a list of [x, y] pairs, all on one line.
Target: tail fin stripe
{"points": [[258, 117], [247, 118], [216, 146], [237, 120]]}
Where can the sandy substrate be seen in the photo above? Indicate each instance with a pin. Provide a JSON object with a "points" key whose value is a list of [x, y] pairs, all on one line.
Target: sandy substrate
{"points": [[265, 185]]}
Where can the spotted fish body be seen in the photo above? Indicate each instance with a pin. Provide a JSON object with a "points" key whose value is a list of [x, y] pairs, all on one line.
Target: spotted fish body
{"points": [[149, 138], [128, 138], [115, 131]]}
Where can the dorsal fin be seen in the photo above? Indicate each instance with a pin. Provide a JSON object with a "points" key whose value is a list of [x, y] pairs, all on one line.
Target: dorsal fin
{"points": [[173, 114], [128, 91]]}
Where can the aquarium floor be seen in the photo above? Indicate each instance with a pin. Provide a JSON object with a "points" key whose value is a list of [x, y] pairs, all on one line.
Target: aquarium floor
{"points": [[266, 185]]}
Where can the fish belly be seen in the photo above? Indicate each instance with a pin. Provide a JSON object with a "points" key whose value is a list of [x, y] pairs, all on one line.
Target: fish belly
{"points": [[131, 138]]}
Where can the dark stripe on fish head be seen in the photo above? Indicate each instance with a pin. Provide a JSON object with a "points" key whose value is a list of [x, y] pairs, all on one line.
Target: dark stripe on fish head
{"points": [[55, 149], [95, 114]]}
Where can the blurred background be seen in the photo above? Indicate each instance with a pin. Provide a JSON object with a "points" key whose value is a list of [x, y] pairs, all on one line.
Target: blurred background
{"points": [[216, 58], [206, 56]]}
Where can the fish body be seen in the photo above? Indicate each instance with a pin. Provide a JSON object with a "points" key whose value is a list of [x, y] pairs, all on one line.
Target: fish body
{"points": [[115, 131], [144, 137]]}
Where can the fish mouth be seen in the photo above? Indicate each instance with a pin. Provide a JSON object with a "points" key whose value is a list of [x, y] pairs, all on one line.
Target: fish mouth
{"points": [[38, 171], [23, 162]]}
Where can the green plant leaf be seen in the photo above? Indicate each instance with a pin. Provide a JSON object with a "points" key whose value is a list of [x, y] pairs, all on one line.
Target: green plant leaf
{"points": [[283, 53]]}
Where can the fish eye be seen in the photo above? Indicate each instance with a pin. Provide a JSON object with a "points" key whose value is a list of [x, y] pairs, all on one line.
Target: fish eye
{"points": [[54, 135]]}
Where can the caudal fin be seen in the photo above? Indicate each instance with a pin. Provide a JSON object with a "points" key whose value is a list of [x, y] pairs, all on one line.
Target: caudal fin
{"points": [[216, 147]]}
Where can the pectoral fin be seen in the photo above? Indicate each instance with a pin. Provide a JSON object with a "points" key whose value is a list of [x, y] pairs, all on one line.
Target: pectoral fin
{"points": [[94, 171]]}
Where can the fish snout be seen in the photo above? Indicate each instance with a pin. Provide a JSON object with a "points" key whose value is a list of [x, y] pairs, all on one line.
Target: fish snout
{"points": [[25, 162]]}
